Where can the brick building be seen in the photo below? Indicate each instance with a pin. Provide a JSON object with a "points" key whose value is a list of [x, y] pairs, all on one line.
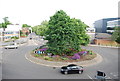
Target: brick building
{"points": [[103, 39]]}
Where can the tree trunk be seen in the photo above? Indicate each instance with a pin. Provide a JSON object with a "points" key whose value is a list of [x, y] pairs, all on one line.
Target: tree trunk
{"points": [[3, 34]]}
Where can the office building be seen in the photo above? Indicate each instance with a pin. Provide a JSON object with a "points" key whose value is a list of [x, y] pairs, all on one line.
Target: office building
{"points": [[102, 24], [10, 31], [112, 24]]}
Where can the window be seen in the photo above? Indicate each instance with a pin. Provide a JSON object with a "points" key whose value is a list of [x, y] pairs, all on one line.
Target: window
{"points": [[74, 67], [110, 28]]}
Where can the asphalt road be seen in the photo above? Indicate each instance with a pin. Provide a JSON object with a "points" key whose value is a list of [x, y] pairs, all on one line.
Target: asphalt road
{"points": [[1, 52], [15, 65]]}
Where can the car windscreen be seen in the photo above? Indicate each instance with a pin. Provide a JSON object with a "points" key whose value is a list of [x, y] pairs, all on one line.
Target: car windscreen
{"points": [[100, 73], [71, 65], [64, 67]]}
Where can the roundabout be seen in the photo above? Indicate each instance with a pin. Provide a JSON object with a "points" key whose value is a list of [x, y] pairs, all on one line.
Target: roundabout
{"points": [[18, 64], [35, 60]]}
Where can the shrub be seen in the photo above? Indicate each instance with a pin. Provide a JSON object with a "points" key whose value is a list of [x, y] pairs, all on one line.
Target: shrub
{"points": [[89, 57], [23, 35], [47, 58], [76, 56], [90, 52], [14, 37], [36, 55], [43, 49], [63, 58], [82, 53]]}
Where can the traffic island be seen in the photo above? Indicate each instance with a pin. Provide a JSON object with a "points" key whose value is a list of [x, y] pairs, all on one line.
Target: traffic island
{"points": [[33, 59]]}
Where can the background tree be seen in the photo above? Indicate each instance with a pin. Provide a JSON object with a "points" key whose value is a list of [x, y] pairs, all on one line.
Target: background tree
{"points": [[41, 29], [65, 33], [116, 35], [4, 25], [0, 25], [25, 25], [34, 29]]}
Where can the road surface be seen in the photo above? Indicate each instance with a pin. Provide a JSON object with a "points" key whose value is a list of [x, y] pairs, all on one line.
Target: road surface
{"points": [[16, 66]]}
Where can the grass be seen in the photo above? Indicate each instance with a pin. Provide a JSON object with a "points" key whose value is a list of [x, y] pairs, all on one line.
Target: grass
{"points": [[90, 57]]}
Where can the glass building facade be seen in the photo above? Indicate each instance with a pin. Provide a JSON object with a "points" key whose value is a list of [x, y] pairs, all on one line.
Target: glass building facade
{"points": [[102, 25], [112, 24]]}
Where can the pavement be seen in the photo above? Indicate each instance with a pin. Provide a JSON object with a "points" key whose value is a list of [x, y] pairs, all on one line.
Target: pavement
{"points": [[103, 46], [35, 60]]}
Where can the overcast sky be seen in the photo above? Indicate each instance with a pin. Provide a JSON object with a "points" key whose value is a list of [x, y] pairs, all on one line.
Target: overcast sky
{"points": [[33, 12]]}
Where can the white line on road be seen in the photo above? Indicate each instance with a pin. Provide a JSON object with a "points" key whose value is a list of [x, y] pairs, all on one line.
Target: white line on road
{"points": [[111, 79], [90, 77], [115, 75]]}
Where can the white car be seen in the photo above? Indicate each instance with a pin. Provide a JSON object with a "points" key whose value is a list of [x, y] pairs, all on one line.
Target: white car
{"points": [[11, 46]]}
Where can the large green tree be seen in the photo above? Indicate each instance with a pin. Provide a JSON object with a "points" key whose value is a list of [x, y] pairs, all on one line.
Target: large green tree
{"points": [[64, 33], [116, 35]]}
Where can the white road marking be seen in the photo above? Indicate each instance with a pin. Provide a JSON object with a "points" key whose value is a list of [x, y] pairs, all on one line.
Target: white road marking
{"points": [[32, 42], [109, 78], [113, 74], [90, 77]]}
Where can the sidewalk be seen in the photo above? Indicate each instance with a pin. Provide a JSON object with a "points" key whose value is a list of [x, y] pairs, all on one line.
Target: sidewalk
{"points": [[94, 61], [103, 46]]}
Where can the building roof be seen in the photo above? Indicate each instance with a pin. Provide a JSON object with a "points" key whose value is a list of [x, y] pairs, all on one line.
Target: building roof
{"points": [[108, 19], [102, 36], [13, 28]]}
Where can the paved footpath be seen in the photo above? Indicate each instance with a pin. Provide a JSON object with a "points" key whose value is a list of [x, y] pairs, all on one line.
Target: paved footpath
{"points": [[103, 46]]}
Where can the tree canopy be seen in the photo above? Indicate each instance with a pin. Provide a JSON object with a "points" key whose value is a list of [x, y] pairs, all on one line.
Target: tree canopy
{"points": [[26, 25], [116, 35], [64, 33], [0, 25], [41, 29], [5, 23]]}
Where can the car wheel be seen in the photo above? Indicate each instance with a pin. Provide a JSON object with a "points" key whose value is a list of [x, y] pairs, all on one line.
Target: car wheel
{"points": [[65, 72], [80, 72]]}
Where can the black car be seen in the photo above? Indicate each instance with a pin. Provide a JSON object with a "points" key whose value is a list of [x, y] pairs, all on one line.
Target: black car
{"points": [[72, 69]]}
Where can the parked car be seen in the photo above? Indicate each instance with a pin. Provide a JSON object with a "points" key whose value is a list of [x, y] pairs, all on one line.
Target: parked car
{"points": [[100, 75], [15, 46], [72, 69]]}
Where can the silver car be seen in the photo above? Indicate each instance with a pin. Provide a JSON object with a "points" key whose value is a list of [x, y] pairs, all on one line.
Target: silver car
{"points": [[15, 46], [101, 75]]}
